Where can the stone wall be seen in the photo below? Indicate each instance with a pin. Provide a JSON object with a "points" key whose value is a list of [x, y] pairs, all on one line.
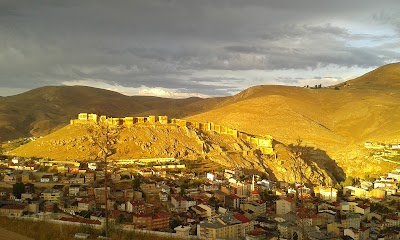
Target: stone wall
{"points": [[264, 143]]}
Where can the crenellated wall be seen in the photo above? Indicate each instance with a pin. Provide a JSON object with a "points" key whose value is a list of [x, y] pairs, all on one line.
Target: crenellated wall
{"points": [[264, 143]]}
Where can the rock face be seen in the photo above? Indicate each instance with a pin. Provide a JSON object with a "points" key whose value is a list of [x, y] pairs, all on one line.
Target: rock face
{"points": [[146, 141]]}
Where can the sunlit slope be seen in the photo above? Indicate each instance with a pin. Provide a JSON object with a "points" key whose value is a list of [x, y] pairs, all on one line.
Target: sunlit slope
{"points": [[367, 108], [286, 113], [43, 110], [338, 121], [148, 141]]}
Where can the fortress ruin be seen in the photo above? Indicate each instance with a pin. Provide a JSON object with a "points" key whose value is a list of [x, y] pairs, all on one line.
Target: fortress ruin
{"points": [[264, 143]]}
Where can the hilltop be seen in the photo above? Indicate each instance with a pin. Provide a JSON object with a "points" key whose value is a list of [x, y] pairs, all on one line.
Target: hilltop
{"points": [[41, 111], [331, 123], [145, 140]]}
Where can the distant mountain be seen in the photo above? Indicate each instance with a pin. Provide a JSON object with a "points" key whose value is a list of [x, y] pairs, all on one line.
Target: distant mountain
{"points": [[330, 123], [41, 111]]}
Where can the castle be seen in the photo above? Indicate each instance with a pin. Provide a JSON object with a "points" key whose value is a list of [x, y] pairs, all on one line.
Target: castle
{"points": [[264, 143]]}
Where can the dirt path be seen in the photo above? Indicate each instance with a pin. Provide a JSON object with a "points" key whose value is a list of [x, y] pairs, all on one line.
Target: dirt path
{"points": [[8, 235]]}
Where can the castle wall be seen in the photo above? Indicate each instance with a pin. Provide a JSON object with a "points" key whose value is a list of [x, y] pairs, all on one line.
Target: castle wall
{"points": [[128, 121], [163, 119], [140, 119], [83, 116], [264, 143], [93, 117], [151, 119]]}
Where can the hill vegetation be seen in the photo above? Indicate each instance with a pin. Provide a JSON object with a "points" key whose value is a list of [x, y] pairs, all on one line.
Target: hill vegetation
{"points": [[44, 230]]}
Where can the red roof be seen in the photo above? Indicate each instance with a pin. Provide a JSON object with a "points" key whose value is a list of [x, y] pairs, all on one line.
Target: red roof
{"points": [[396, 218], [233, 196], [363, 206], [288, 199], [241, 218], [86, 200], [20, 207], [137, 203], [179, 198], [80, 220], [161, 215]]}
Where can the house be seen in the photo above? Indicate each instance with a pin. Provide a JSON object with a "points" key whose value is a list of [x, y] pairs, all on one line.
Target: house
{"points": [[359, 234], [12, 178], [46, 178], [362, 209], [326, 193], [203, 210], [52, 195], [73, 190], [351, 220], [90, 177], [225, 226], [68, 205], [135, 207], [99, 194], [285, 205], [77, 179], [254, 209], [55, 178], [13, 210], [346, 207], [165, 188], [86, 204], [149, 221], [26, 177], [25, 196], [163, 196], [355, 191], [181, 204], [29, 188], [209, 187], [232, 201], [392, 221]]}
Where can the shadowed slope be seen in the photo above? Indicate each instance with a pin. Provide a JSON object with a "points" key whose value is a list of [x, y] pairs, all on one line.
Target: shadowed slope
{"points": [[40, 111]]}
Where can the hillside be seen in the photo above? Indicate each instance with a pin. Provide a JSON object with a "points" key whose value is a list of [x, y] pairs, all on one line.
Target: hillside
{"points": [[41, 111], [157, 140], [332, 123], [335, 121]]}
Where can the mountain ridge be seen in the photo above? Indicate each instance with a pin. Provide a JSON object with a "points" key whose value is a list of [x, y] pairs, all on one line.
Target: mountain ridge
{"points": [[337, 119]]}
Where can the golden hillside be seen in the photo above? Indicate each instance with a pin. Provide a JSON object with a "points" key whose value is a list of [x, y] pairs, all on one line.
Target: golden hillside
{"points": [[158, 140], [335, 121]]}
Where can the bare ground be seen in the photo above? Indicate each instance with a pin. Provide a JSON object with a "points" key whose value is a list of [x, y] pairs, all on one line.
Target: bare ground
{"points": [[8, 235]]}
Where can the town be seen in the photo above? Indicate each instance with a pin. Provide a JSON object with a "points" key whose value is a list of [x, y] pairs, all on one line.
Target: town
{"points": [[174, 197], [162, 197]]}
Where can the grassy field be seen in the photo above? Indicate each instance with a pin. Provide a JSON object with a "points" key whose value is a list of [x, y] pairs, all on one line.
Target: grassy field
{"points": [[42, 230]]}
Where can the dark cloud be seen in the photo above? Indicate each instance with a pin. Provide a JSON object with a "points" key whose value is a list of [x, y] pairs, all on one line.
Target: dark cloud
{"points": [[207, 47]]}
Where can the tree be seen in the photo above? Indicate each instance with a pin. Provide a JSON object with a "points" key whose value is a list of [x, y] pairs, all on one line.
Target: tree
{"points": [[104, 136], [136, 183], [183, 188], [348, 182], [18, 189]]}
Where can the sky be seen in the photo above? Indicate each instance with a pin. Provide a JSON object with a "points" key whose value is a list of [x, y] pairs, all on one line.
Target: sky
{"points": [[193, 48]]}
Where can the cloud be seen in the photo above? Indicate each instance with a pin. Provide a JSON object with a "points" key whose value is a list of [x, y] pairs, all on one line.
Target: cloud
{"points": [[182, 47], [139, 91]]}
